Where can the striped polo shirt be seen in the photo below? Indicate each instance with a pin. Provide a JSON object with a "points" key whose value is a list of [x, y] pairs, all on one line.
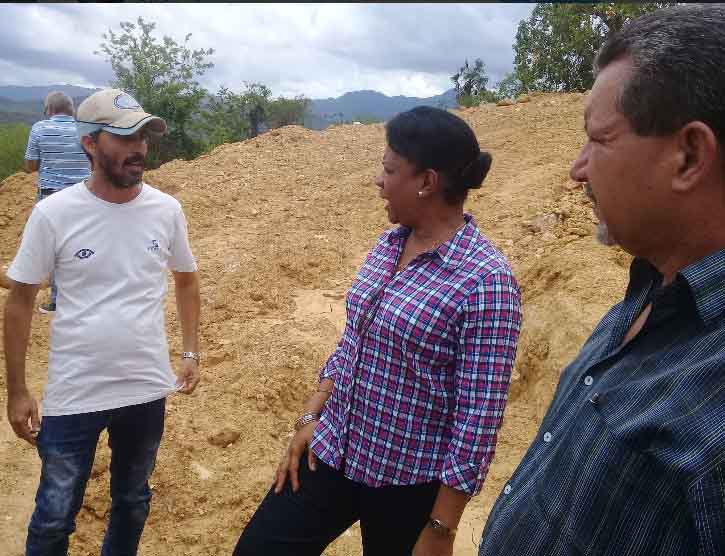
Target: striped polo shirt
{"points": [[55, 144]]}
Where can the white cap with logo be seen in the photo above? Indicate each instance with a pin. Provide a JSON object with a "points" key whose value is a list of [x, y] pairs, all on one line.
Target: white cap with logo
{"points": [[115, 111]]}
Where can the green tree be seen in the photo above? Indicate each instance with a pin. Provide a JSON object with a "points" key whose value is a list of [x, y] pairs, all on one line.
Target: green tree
{"points": [[510, 86], [470, 80], [287, 111], [223, 120], [255, 106], [555, 47], [161, 76]]}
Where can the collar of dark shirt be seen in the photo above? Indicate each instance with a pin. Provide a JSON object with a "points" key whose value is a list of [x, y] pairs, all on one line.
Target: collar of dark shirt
{"points": [[702, 283], [453, 251]]}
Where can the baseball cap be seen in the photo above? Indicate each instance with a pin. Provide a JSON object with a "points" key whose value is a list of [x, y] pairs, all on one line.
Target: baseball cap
{"points": [[115, 111]]}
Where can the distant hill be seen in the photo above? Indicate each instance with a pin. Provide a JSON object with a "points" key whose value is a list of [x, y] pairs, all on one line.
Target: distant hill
{"points": [[35, 93], [25, 104], [366, 105]]}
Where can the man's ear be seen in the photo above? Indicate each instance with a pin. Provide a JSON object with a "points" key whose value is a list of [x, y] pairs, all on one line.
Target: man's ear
{"points": [[697, 154], [89, 144]]}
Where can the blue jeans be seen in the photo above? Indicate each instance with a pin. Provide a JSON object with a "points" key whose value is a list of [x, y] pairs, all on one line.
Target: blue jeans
{"points": [[42, 194], [67, 448]]}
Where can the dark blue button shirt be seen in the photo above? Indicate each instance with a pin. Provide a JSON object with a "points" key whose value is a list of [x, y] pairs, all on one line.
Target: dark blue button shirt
{"points": [[630, 457]]}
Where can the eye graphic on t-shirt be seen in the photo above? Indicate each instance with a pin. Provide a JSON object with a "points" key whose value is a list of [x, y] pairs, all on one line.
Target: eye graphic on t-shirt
{"points": [[83, 253]]}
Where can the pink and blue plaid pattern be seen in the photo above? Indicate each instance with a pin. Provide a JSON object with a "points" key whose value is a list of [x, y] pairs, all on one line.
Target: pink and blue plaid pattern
{"points": [[424, 364]]}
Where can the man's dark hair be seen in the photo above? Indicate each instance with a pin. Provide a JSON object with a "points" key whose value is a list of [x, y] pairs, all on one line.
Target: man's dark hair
{"points": [[93, 136], [677, 56], [431, 138]]}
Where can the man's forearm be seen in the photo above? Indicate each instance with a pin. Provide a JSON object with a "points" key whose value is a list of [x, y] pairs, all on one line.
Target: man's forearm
{"points": [[18, 317], [188, 303]]}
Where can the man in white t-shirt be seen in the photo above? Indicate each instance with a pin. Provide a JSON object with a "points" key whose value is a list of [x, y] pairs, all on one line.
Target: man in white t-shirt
{"points": [[109, 241]]}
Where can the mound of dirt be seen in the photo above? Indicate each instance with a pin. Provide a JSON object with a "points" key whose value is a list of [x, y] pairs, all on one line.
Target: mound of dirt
{"points": [[279, 225]]}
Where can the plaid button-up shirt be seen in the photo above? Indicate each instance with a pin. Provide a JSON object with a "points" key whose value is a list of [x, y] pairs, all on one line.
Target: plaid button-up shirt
{"points": [[424, 364], [630, 457]]}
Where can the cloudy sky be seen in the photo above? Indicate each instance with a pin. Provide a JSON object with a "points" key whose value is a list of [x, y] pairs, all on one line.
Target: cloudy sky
{"points": [[319, 50]]}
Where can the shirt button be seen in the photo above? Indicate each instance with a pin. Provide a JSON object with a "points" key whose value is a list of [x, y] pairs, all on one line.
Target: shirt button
{"points": [[588, 380], [507, 489], [547, 437]]}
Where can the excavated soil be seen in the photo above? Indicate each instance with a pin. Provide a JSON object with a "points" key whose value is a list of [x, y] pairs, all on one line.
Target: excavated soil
{"points": [[279, 225]]}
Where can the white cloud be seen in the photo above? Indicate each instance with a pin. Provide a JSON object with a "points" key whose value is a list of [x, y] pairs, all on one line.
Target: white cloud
{"points": [[318, 50]]}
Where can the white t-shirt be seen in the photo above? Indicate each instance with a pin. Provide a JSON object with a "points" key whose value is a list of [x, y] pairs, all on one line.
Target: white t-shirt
{"points": [[110, 263]]}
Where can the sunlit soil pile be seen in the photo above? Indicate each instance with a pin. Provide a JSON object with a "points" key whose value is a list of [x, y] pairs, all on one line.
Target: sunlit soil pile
{"points": [[279, 225]]}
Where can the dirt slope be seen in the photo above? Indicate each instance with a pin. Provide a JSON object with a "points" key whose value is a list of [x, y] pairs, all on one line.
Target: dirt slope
{"points": [[279, 225]]}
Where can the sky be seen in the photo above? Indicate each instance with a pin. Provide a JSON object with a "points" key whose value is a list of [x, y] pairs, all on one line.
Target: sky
{"points": [[317, 50]]}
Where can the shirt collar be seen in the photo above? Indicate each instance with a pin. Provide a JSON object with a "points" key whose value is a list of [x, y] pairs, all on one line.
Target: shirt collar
{"points": [[453, 251], [705, 280], [62, 118]]}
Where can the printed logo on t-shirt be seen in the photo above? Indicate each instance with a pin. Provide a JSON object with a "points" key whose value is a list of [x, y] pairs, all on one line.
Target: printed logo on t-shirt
{"points": [[154, 247], [84, 253]]}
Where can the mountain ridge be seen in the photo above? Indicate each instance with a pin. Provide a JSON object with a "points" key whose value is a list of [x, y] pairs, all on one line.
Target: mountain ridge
{"points": [[25, 104]]}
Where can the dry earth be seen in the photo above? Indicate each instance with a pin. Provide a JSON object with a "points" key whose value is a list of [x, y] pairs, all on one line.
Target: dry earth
{"points": [[279, 225]]}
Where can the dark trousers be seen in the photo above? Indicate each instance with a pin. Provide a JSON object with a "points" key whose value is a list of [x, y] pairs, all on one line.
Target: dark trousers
{"points": [[67, 448], [327, 504]]}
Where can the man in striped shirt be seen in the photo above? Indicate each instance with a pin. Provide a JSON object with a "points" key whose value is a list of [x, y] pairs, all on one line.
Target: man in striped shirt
{"points": [[630, 457], [54, 150]]}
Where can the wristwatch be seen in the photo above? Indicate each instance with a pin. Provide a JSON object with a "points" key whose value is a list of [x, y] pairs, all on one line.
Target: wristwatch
{"points": [[439, 528], [190, 355]]}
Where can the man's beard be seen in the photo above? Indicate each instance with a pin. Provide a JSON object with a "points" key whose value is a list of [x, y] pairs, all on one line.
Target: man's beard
{"points": [[117, 179], [603, 235]]}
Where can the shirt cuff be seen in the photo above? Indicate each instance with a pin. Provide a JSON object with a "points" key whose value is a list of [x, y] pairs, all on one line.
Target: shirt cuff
{"points": [[466, 477]]}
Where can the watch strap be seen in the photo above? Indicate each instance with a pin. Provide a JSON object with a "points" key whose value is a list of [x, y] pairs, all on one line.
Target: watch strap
{"points": [[191, 355]]}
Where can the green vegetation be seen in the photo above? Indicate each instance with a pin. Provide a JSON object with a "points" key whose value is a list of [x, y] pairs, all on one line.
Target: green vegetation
{"points": [[13, 140], [230, 117], [556, 46], [555, 50], [470, 84], [161, 75]]}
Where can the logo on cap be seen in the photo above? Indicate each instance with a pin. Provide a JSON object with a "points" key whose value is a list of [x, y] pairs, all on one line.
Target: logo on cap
{"points": [[126, 102]]}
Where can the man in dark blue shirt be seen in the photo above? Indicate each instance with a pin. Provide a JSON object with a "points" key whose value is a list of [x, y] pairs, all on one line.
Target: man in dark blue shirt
{"points": [[630, 457]]}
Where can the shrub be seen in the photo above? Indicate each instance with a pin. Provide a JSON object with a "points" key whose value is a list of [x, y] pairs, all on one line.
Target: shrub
{"points": [[13, 140]]}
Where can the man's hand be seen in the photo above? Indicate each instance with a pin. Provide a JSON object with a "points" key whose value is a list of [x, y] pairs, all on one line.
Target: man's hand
{"points": [[22, 408], [189, 376], [432, 543]]}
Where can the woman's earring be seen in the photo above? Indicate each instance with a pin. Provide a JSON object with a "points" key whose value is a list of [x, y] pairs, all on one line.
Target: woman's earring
{"points": [[420, 193]]}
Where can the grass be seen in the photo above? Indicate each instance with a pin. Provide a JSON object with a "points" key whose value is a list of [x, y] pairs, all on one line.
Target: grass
{"points": [[13, 140]]}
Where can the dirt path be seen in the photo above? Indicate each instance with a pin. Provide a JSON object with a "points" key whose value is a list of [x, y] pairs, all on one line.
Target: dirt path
{"points": [[279, 225]]}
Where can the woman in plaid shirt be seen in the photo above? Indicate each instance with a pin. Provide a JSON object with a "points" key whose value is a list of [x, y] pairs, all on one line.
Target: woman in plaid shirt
{"points": [[402, 428]]}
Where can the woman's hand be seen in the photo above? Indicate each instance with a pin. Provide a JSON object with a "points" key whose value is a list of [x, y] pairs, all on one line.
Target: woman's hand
{"points": [[290, 463], [431, 543]]}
